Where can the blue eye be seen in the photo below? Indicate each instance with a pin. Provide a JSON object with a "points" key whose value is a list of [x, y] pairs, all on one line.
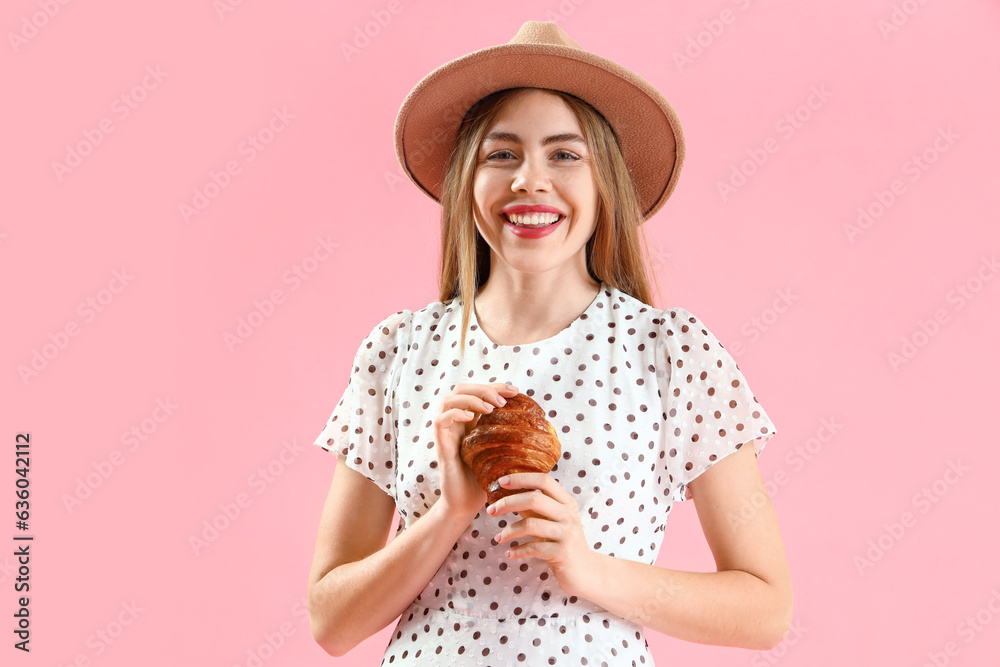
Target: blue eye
{"points": [[494, 155]]}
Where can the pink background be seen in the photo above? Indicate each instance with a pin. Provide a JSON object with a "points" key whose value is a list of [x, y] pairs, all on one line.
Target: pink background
{"points": [[882, 574]]}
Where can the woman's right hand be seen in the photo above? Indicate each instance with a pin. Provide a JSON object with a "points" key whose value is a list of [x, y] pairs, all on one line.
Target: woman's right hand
{"points": [[460, 412]]}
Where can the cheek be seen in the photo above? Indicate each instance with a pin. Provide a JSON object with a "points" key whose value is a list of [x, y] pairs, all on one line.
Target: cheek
{"points": [[483, 191], [585, 187], [586, 196]]}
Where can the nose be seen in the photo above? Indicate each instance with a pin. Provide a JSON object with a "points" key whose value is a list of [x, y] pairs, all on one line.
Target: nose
{"points": [[530, 177]]}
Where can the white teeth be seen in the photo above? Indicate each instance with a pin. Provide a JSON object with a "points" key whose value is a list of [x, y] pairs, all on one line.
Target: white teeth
{"points": [[533, 219]]}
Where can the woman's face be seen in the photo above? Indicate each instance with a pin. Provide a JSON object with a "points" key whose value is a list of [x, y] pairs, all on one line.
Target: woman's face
{"points": [[535, 155]]}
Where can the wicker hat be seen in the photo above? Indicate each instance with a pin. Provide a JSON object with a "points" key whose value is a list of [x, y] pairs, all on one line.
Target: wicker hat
{"points": [[541, 55]]}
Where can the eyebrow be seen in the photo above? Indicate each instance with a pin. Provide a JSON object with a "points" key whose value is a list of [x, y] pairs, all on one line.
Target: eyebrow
{"points": [[552, 139]]}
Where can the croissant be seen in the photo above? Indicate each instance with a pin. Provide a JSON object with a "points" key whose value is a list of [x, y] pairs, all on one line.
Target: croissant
{"points": [[515, 437]]}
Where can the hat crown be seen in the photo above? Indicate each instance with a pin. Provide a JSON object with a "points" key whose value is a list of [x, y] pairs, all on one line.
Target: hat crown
{"points": [[541, 56], [543, 32]]}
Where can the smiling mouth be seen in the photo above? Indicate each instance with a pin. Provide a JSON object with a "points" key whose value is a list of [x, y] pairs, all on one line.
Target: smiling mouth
{"points": [[532, 220]]}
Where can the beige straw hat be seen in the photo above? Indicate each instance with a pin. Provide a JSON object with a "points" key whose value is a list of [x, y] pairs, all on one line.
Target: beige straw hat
{"points": [[541, 55]]}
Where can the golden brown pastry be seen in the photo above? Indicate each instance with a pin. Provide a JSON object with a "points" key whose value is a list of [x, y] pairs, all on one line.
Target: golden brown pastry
{"points": [[515, 437]]}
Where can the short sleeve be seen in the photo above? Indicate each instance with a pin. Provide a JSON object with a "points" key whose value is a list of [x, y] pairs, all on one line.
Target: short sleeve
{"points": [[363, 424], [709, 407]]}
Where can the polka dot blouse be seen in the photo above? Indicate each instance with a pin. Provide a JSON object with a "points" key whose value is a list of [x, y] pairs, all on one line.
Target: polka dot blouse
{"points": [[643, 400]]}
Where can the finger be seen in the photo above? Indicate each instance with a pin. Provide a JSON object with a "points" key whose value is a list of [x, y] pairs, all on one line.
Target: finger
{"points": [[529, 501], [543, 550], [454, 416], [470, 402], [459, 403], [538, 528], [543, 481], [486, 392]]}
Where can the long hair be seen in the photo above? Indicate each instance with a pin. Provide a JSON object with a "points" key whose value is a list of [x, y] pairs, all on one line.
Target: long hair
{"points": [[617, 251]]}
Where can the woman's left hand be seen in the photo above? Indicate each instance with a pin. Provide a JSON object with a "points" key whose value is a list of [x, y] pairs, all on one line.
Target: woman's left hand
{"points": [[553, 519]]}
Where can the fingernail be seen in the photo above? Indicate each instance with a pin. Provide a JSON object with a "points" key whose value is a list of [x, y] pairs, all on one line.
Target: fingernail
{"points": [[502, 400], [511, 387], [503, 480]]}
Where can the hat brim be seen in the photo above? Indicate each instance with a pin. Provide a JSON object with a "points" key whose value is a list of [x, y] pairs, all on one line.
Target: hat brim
{"points": [[648, 130]]}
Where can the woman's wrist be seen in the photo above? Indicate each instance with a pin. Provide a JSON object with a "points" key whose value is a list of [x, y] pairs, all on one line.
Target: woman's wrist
{"points": [[457, 515], [594, 577]]}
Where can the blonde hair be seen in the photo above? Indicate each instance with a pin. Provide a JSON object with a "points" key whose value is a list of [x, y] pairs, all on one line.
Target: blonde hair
{"points": [[617, 251]]}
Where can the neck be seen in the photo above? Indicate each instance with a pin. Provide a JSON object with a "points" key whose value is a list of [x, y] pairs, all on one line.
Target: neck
{"points": [[527, 308]]}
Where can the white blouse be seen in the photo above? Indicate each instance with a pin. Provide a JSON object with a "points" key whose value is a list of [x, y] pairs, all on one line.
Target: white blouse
{"points": [[643, 401]]}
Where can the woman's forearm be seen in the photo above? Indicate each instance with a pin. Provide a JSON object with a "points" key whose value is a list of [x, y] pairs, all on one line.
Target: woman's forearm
{"points": [[727, 608], [355, 600]]}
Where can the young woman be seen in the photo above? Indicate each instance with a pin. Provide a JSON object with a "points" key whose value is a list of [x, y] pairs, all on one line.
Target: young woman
{"points": [[546, 159]]}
